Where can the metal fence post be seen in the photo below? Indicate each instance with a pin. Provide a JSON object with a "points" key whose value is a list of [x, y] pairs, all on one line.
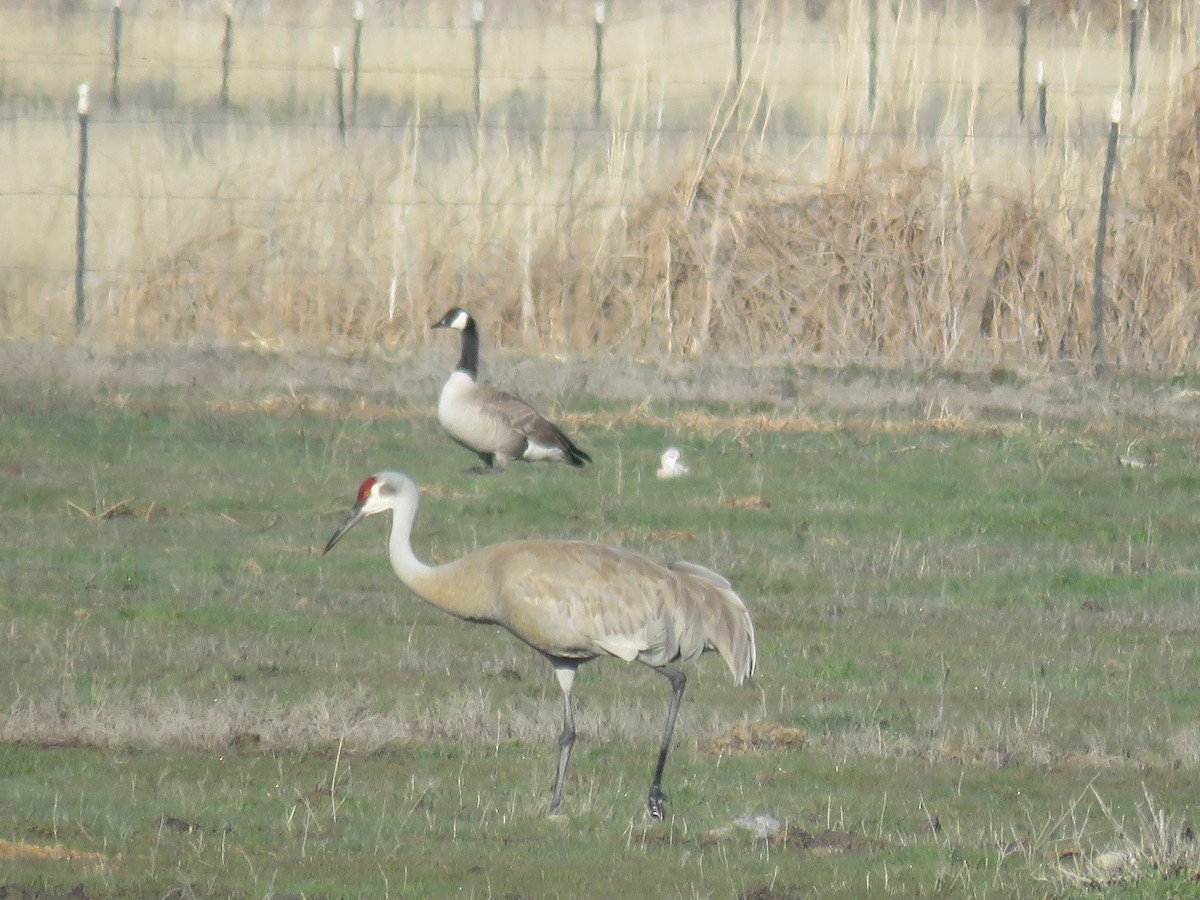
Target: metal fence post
{"points": [[1110, 161], [1022, 52], [1041, 93], [114, 96], [339, 92], [81, 210], [872, 56], [737, 42], [477, 17], [356, 59], [1134, 19], [598, 74], [226, 55]]}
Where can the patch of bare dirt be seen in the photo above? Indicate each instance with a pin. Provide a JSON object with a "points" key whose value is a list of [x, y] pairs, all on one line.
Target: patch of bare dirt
{"points": [[26, 892], [18, 850], [746, 737]]}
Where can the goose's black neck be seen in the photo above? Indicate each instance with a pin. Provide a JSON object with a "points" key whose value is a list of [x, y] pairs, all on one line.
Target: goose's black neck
{"points": [[468, 360]]}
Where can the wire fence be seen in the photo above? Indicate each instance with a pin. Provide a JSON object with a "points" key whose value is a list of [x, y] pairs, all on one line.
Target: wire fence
{"points": [[690, 50], [688, 77]]}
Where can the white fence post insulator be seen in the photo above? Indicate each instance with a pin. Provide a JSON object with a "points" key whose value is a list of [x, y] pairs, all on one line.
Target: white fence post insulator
{"points": [[477, 23], [598, 75], [114, 96], [356, 59], [339, 91], [226, 55], [1098, 305], [1022, 52], [81, 210]]}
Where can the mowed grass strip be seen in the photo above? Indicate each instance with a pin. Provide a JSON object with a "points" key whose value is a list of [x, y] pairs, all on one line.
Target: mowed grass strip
{"points": [[980, 643]]}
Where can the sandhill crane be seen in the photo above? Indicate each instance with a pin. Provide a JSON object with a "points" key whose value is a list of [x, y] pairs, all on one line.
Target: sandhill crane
{"points": [[670, 464], [493, 424], [573, 601]]}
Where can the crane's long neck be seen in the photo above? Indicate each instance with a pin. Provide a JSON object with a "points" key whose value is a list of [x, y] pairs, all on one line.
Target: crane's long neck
{"points": [[468, 360], [457, 588], [404, 561]]}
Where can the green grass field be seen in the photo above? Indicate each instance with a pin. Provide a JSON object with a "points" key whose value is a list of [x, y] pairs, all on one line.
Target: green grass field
{"points": [[984, 627]]}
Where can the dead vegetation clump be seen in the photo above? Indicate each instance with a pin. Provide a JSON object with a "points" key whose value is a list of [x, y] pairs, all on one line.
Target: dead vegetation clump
{"points": [[1028, 286], [898, 255], [892, 259], [20, 850], [1157, 250], [747, 737], [1157, 846]]}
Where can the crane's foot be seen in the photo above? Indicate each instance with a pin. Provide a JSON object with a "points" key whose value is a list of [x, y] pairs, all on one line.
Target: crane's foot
{"points": [[655, 803]]}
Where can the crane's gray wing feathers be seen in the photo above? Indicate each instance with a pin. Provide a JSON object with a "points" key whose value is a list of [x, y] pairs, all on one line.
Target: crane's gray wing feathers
{"points": [[579, 600]]}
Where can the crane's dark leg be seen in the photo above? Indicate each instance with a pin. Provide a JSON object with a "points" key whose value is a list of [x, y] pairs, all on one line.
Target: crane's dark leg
{"points": [[565, 675], [678, 681]]}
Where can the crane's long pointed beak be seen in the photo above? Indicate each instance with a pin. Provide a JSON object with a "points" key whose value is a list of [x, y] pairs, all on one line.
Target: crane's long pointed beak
{"points": [[356, 516]]}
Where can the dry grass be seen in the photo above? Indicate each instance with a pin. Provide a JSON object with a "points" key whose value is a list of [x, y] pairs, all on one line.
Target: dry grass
{"points": [[937, 233], [1156, 846]]}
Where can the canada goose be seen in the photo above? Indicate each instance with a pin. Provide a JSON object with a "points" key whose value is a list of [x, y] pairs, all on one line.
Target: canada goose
{"points": [[493, 424], [670, 464], [574, 601]]}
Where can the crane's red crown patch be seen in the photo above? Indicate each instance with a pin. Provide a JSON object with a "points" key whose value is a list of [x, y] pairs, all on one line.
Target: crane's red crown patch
{"points": [[364, 490]]}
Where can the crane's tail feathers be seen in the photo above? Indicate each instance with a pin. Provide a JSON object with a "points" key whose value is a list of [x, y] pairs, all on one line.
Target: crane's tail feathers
{"points": [[727, 624], [699, 571]]}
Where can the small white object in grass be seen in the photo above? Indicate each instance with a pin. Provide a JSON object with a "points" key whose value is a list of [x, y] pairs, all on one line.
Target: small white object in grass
{"points": [[1111, 861], [672, 467], [762, 824]]}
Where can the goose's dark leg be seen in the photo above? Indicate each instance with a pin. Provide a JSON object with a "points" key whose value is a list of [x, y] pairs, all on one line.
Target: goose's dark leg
{"points": [[678, 681], [565, 675], [489, 466]]}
